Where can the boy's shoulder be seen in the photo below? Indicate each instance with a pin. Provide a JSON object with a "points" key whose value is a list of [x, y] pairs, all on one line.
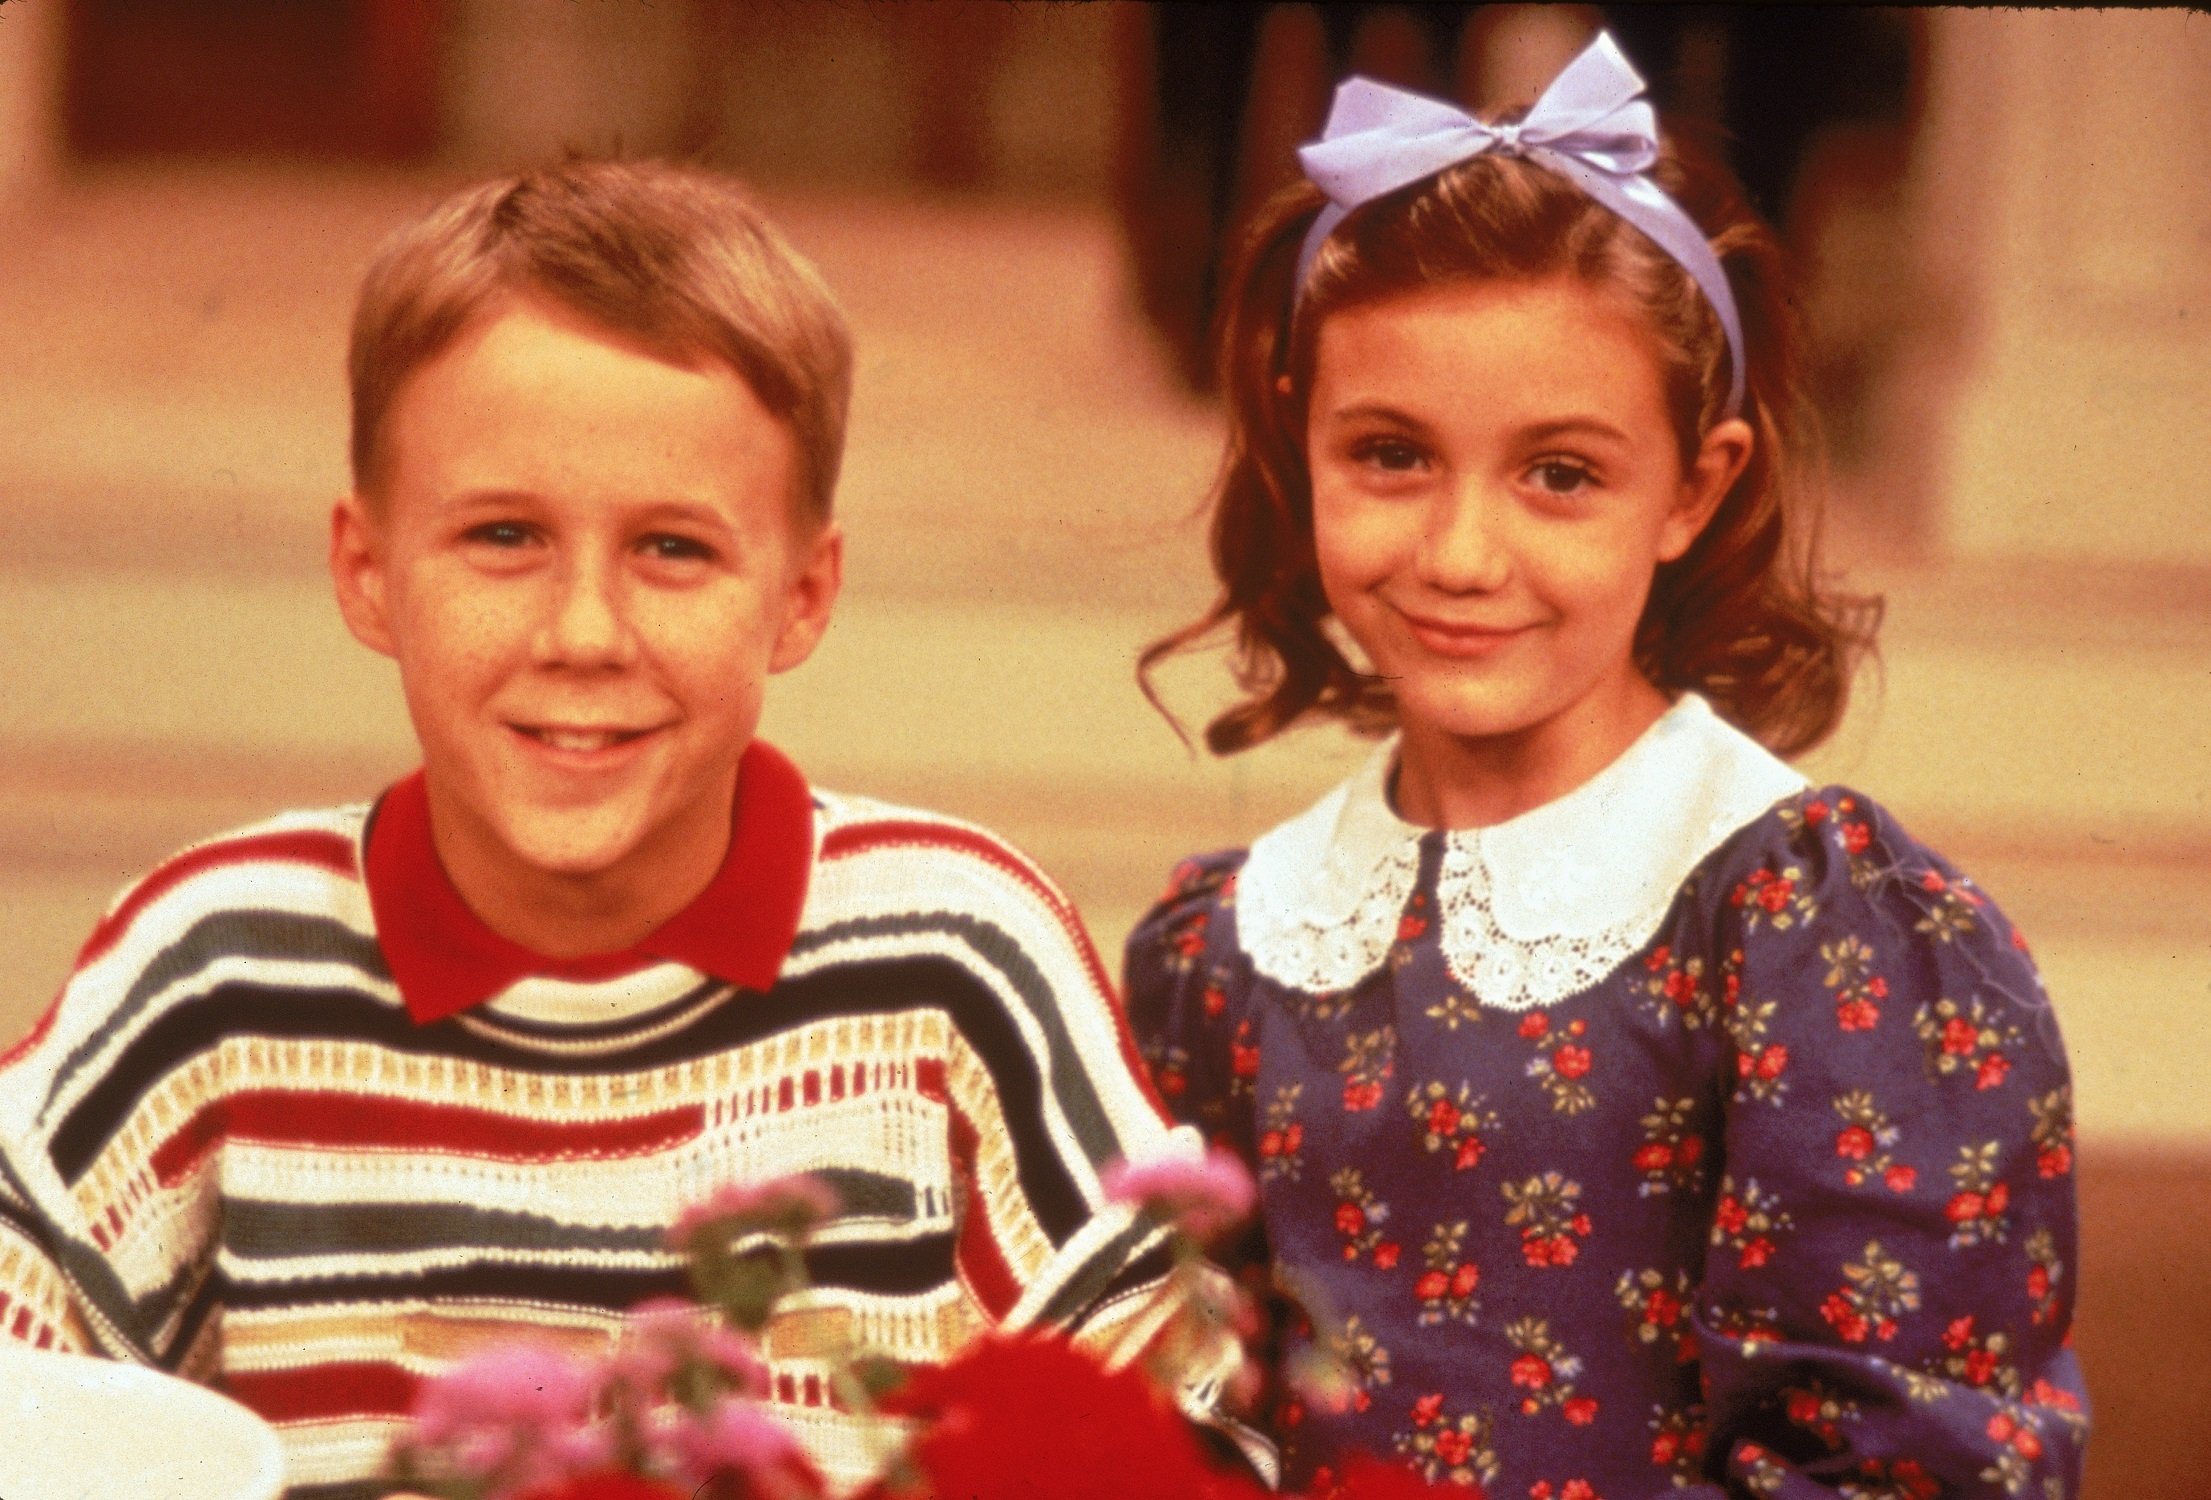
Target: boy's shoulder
{"points": [[294, 861], [880, 859]]}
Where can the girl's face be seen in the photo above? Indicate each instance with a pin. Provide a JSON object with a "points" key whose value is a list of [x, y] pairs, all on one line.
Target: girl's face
{"points": [[1495, 479]]}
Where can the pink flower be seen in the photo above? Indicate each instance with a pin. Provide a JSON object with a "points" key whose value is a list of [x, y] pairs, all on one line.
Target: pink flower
{"points": [[735, 1437], [523, 1387], [1200, 1198], [791, 1206], [667, 1333]]}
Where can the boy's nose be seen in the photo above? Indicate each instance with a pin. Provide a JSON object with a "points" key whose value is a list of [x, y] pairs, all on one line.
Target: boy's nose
{"points": [[1463, 549], [585, 624]]}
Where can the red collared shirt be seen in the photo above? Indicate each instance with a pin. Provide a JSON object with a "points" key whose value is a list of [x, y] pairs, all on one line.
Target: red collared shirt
{"points": [[738, 929]]}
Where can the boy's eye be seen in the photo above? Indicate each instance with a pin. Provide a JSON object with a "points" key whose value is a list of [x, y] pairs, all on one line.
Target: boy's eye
{"points": [[668, 547], [499, 534]]}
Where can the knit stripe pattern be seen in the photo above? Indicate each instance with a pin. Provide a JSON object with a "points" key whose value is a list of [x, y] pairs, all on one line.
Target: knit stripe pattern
{"points": [[228, 1152]]}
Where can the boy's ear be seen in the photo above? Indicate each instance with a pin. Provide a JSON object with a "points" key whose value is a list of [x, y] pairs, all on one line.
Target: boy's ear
{"points": [[1719, 463], [817, 576], [357, 573]]}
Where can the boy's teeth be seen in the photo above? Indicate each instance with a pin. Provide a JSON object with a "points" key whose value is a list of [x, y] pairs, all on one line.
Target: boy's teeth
{"points": [[577, 739]]}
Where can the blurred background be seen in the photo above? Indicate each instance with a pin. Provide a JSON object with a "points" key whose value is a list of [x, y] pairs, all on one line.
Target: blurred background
{"points": [[2005, 233]]}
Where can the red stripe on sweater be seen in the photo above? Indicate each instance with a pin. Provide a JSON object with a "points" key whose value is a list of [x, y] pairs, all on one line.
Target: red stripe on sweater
{"points": [[859, 838], [982, 1265], [279, 1117], [303, 846], [321, 1392]]}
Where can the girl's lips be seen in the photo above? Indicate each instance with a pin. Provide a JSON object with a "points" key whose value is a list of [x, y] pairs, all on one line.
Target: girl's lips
{"points": [[1446, 638]]}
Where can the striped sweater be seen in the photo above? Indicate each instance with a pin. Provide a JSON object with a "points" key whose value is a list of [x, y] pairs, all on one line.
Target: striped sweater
{"points": [[230, 1151]]}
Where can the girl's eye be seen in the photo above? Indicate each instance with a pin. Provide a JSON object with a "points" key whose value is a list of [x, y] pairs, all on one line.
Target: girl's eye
{"points": [[1559, 476], [1390, 455]]}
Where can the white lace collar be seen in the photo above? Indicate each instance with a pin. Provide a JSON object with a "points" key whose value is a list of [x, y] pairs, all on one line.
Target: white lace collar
{"points": [[1534, 909]]}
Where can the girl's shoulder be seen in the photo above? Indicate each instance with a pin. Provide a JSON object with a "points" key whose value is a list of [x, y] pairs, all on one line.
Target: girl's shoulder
{"points": [[1831, 856]]}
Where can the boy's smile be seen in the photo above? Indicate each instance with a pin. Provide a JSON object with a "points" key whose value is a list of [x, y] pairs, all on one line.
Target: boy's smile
{"points": [[587, 562]]}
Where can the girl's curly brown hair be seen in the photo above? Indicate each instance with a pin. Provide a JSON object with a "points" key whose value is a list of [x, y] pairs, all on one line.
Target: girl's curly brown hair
{"points": [[1742, 617]]}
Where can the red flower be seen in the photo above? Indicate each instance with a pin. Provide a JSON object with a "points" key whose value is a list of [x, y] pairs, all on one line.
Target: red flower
{"points": [[2038, 1282], [1469, 1153], [1350, 1218], [1680, 987], [1815, 812], [1772, 1061], [1756, 1253], [1215, 1000], [1901, 1179], [1654, 1156], [1964, 1206], [1453, 1446], [1532, 1371], [1581, 1410], [1958, 1036], [1293, 1138], [1427, 1409], [1563, 1250], [1933, 881], [1358, 1096], [1432, 1286], [1243, 1060], [1663, 1309], [1958, 1333], [1443, 1117], [1803, 1408], [1999, 1198], [2027, 1443], [1658, 958], [1980, 1367], [1385, 1256], [1535, 1025], [1270, 1143], [1854, 1144], [1571, 1061], [1730, 1215], [1580, 1224], [1856, 836], [1578, 1489], [1992, 1070], [1464, 1279], [2054, 1161], [1690, 1150], [1857, 1014], [2001, 1427], [1776, 895], [1018, 1417], [1172, 1083], [1576, 1027], [1665, 1448]]}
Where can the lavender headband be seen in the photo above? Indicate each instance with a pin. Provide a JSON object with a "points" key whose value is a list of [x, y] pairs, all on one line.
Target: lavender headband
{"points": [[1589, 126]]}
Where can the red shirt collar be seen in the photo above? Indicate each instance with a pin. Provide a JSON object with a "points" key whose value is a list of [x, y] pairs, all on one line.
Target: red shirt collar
{"points": [[739, 928]]}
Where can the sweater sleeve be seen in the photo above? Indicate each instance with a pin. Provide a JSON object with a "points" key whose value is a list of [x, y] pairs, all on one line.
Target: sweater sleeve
{"points": [[1889, 1278]]}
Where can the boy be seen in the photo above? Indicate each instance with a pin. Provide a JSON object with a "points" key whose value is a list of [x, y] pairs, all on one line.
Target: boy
{"points": [[333, 1102]]}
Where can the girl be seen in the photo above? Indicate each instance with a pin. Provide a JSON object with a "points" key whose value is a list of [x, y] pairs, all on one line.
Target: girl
{"points": [[1644, 1119]]}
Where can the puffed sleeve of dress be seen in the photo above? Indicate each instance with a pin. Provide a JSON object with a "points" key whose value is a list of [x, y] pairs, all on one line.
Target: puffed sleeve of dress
{"points": [[1188, 988], [1889, 1279]]}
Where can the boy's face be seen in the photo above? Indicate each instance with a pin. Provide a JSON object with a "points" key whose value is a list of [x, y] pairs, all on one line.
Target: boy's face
{"points": [[586, 563]]}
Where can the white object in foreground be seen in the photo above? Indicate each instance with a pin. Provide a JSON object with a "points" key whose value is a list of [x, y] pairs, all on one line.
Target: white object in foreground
{"points": [[73, 1428]]}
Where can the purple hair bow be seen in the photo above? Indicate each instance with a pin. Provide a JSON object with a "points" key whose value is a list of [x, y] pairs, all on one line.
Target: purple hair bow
{"points": [[1590, 126]]}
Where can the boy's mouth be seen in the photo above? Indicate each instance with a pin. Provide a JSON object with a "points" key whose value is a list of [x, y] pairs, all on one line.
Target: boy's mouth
{"points": [[578, 741]]}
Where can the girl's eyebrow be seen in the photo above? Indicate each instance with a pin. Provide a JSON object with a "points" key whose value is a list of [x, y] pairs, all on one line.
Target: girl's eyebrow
{"points": [[1595, 427], [1374, 411]]}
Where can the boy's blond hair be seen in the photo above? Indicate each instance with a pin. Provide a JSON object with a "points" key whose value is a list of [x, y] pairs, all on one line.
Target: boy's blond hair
{"points": [[673, 257]]}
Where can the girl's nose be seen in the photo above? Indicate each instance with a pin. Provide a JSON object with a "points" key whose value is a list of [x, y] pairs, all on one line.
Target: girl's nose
{"points": [[1463, 548], [586, 624]]}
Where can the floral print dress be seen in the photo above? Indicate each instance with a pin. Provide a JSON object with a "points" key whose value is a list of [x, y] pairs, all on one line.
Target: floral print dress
{"points": [[1698, 1133]]}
